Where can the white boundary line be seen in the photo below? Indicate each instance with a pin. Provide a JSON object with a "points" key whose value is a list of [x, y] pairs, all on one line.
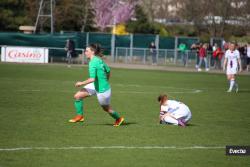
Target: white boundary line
{"points": [[121, 92], [115, 147]]}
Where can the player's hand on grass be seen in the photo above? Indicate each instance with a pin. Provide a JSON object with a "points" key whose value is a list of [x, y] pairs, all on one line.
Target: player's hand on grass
{"points": [[78, 84]]}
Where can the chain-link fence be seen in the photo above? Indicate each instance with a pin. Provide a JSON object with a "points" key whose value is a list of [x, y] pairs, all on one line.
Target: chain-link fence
{"points": [[162, 56]]}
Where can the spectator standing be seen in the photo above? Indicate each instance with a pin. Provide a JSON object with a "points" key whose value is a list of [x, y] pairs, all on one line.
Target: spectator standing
{"points": [[217, 56], [243, 55], [196, 47], [209, 54], [203, 57], [152, 49], [183, 51], [213, 61], [70, 48]]}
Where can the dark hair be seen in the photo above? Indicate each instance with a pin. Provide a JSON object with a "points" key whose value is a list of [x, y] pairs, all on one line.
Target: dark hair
{"points": [[162, 98], [97, 49]]}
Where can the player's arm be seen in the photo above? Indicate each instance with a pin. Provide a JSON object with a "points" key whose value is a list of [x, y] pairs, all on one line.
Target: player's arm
{"points": [[108, 75], [163, 114], [89, 80], [225, 63], [107, 70], [92, 76]]}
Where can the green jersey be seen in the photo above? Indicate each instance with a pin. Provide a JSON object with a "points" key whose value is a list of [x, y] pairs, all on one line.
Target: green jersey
{"points": [[98, 70], [182, 47]]}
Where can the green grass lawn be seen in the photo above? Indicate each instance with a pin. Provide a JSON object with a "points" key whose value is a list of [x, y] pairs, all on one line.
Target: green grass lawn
{"points": [[36, 102]]}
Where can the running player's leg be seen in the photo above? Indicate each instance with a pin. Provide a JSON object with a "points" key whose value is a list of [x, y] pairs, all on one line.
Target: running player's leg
{"points": [[79, 97], [104, 101]]}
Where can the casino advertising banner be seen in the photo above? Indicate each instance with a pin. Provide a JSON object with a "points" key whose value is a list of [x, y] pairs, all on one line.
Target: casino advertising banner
{"points": [[24, 54]]}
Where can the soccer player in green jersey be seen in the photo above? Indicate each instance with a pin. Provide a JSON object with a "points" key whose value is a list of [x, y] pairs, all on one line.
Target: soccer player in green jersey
{"points": [[96, 84]]}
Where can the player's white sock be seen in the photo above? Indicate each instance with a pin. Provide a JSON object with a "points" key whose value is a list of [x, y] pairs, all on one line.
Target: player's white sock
{"points": [[232, 83], [171, 120]]}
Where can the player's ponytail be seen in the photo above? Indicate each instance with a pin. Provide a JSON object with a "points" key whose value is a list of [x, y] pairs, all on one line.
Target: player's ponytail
{"points": [[162, 98], [97, 49]]}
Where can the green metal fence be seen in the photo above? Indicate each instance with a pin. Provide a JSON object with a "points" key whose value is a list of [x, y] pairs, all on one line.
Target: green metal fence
{"points": [[107, 41]]}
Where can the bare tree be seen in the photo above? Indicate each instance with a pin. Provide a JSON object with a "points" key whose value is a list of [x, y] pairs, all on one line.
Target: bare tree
{"points": [[110, 12], [215, 15]]}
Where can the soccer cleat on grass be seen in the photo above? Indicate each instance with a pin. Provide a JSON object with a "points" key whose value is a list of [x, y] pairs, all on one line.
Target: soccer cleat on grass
{"points": [[229, 91], [119, 121], [181, 123], [78, 118]]}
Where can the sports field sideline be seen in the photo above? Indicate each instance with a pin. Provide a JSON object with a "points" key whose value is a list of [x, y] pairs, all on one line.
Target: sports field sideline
{"points": [[37, 100]]}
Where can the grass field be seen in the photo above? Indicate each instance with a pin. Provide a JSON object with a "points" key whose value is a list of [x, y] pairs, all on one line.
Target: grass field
{"points": [[37, 100]]}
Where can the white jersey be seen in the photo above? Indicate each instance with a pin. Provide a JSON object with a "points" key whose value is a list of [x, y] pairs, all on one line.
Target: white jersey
{"points": [[232, 57], [171, 106], [232, 61]]}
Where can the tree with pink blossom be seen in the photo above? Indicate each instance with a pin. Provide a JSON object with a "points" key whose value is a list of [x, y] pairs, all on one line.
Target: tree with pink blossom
{"points": [[112, 12]]}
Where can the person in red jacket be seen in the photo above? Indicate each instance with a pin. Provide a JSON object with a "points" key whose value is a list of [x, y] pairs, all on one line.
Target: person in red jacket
{"points": [[217, 55], [203, 57]]}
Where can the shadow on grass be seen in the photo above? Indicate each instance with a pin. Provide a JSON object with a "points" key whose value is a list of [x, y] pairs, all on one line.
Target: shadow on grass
{"points": [[244, 91], [192, 124], [123, 124]]}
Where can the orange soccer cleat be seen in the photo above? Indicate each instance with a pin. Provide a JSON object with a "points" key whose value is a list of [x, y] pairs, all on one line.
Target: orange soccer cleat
{"points": [[78, 118], [119, 121]]}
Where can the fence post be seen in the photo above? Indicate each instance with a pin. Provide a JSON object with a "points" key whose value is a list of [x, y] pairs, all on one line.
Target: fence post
{"points": [[144, 56], [175, 49], [5, 48], [112, 47], [157, 47], [126, 55], [131, 46], [87, 39]]}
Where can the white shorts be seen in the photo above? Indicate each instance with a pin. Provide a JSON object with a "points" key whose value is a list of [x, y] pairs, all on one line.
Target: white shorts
{"points": [[183, 112], [103, 98], [231, 71], [90, 88]]}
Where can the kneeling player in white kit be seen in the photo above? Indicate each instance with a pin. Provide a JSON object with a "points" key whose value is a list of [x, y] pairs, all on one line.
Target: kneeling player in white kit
{"points": [[173, 112], [232, 64]]}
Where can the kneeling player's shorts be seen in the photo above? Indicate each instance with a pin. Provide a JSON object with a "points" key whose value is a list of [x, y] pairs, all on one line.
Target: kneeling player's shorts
{"points": [[183, 112], [103, 98]]}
